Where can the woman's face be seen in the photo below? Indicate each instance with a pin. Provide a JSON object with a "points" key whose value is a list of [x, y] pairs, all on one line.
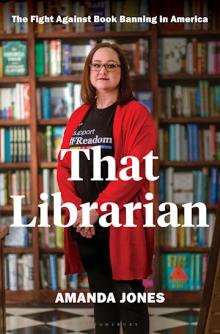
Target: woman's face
{"points": [[105, 80]]}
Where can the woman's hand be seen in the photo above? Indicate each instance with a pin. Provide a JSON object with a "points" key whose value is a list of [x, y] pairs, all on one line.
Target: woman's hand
{"points": [[87, 232]]}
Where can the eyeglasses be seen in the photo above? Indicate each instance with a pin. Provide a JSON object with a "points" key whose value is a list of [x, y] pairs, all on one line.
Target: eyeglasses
{"points": [[109, 67]]}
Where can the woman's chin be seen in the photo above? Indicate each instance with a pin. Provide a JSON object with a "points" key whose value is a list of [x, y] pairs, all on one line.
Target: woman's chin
{"points": [[105, 88]]}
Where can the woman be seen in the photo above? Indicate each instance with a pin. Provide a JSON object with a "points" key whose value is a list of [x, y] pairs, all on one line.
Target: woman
{"points": [[115, 259]]}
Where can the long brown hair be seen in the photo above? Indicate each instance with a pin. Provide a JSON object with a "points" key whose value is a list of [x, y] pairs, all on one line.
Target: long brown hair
{"points": [[88, 92]]}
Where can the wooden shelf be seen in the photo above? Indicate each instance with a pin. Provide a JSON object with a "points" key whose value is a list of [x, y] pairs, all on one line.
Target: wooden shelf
{"points": [[51, 250], [190, 164], [94, 34], [9, 208], [18, 250], [12, 37], [189, 33], [189, 298], [77, 78], [53, 121], [13, 80], [15, 165], [46, 296], [60, 78], [41, 296], [14, 122], [21, 297], [194, 249], [186, 120], [45, 164], [212, 206], [192, 77]]}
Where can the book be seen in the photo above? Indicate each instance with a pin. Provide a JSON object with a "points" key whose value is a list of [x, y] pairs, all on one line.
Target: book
{"points": [[15, 182], [14, 55], [15, 144], [57, 140], [171, 55], [19, 272], [52, 274], [182, 271], [18, 236]]}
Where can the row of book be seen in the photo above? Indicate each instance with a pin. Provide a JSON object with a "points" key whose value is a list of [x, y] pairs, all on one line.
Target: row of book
{"points": [[15, 182], [183, 271], [190, 9], [9, 8], [48, 181], [15, 144], [189, 142], [15, 102], [56, 58], [53, 57], [51, 237], [60, 10], [84, 12], [177, 100], [51, 139], [197, 185], [18, 236], [180, 272], [19, 272], [52, 274], [188, 236], [178, 55], [58, 102], [13, 58]]}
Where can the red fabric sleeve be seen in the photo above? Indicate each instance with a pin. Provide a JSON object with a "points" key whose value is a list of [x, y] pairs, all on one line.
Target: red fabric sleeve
{"points": [[139, 138]]}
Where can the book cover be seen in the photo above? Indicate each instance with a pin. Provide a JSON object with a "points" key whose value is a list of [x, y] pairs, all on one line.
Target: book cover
{"points": [[14, 55], [173, 59]]}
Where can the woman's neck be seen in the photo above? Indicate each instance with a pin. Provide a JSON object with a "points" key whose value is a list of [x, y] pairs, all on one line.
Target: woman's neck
{"points": [[106, 100]]}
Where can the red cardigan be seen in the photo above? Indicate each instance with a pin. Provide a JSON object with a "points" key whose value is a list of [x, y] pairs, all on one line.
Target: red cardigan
{"points": [[131, 249]]}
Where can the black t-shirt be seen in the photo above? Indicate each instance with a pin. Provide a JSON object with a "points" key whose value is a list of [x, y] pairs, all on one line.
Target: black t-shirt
{"points": [[96, 129]]}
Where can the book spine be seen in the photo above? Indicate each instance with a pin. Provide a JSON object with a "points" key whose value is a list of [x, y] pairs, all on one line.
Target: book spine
{"points": [[12, 272], [53, 271], [26, 100]]}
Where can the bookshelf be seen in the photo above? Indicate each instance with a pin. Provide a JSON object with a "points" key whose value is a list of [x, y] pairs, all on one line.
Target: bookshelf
{"points": [[168, 79], [152, 80]]}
